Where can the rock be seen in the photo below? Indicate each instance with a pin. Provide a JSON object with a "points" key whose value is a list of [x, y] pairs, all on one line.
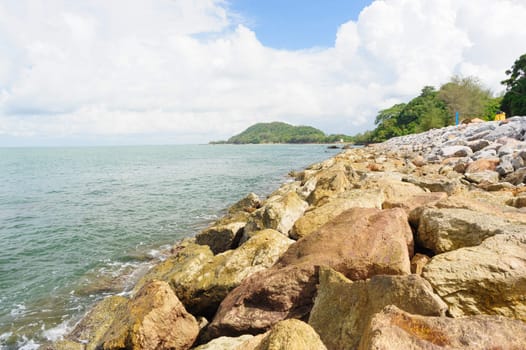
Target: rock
{"points": [[247, 204], [278, 213], [477, 145], [486, 176], [490, 203], [226, 232], [291, 335], [182, 267], [410, 204], [225, 343], [418, 261], [485, 279], [329, 183], [221, 237], [91, 329], [318, 216], [394, 329], [65, 345], [418, 161], [517, 162], [153, 319], [264, 299], [392, 188], [505, 167], [342, 308], [518, 201], [517, 178], [359, 243], [202, 289], [483, 165], [456, 151], [442, 230], [436, 183]]}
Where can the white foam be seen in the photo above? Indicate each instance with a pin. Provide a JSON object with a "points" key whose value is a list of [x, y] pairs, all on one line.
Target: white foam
{"points": [[57, 332], [18, 310]]}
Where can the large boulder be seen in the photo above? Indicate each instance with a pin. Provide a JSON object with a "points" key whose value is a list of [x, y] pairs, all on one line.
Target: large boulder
{"points": [[225, 343], [329, 183], [91, 329], [446, 229], [221, 237], [154, 319], [394, 329], [436, 183], [359, 243], [318, 216], [485, 279], [291, 335], [342, 308], [226, 232], [201, 288], [279, 212]]}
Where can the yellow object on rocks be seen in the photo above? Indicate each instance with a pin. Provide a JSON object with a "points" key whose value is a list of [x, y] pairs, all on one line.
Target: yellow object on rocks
{"points": [[500, 116]]}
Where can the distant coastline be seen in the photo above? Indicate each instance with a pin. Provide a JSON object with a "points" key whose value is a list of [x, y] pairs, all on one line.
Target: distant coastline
{"points": [[283, 133]]}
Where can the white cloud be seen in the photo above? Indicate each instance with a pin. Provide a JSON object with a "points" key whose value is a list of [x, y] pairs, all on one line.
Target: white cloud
{"points": [[109, 68]]}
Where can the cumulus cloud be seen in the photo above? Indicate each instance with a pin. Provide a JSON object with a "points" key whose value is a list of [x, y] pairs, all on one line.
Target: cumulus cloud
{"points": [[192, 70]]}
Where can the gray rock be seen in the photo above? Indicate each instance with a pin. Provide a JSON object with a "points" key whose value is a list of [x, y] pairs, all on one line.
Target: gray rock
{"points": [[456, 151], [517, 162], [504, 150], [505, 167], [485, 153], [486, 176], [477, 145], [446, 229]]}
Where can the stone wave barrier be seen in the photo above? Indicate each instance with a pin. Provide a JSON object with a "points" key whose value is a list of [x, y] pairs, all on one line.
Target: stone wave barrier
{"points": [[415, 243]]}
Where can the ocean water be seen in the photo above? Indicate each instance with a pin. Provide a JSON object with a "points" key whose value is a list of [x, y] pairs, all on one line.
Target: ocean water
{"points": [[77, 224]]}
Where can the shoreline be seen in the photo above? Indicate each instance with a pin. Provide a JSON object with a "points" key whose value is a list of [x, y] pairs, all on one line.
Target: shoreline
{"points": [[421, 196]]}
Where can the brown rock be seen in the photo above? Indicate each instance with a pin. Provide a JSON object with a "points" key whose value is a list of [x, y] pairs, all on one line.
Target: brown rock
{"points": [[343, 308], [485, 279], [446, 229], [419, 161], [483, 164], [518, 201], [153, 319], [291, 335], [394, 329], [417, 201], [318, 216], [518, 177], [329, 183], [418, 262], [279, 212], [202, 281], [91, 329], [359, 243], [436, 183], [221, 237]]}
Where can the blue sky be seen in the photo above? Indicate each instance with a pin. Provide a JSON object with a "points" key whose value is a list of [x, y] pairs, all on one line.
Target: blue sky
{"points": [[297, 24], [190, 71]]}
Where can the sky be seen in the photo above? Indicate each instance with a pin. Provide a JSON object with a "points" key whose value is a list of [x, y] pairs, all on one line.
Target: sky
{"points": [[118, 72]]}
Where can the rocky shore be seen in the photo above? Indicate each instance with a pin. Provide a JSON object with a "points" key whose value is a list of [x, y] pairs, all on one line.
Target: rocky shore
{"points": [[415, 243]]}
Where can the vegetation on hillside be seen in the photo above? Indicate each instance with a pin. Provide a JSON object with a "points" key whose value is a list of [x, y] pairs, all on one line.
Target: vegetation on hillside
{"points": [[278, 132], [437, 108], [514, 101]]}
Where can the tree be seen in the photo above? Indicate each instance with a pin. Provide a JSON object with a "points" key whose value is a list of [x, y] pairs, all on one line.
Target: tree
{"points": [[514, 101], [465, 96]]}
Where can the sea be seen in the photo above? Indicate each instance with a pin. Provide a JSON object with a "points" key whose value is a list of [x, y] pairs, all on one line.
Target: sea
{"points": [[79, 224]]}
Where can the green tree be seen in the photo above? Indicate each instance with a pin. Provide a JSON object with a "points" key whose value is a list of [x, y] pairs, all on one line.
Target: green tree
{"points": [[466, 96], [423, 112], [514, 101]]}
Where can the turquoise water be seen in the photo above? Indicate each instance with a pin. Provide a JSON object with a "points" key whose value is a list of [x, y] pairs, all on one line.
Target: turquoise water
{"points": [[80, 223]]}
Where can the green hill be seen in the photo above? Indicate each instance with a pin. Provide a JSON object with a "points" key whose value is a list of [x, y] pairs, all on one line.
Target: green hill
{"points": [[278, 132]]}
